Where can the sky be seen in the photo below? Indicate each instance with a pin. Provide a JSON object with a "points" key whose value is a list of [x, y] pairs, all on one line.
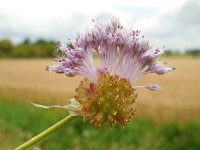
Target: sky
{"points": [[174, 24]]}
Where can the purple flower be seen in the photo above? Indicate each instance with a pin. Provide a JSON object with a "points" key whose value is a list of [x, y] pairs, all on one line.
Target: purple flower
{"points": [[136, 59], [125, 57]]}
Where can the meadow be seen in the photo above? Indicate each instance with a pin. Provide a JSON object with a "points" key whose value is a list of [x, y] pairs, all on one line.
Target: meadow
{"points": [[165, 119]]}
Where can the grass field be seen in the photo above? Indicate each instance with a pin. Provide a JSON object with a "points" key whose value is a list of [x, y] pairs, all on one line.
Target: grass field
{"points": [[179, 97], [165, 119], [19, 123]]}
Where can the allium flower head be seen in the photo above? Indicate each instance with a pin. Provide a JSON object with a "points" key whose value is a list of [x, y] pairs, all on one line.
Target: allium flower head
{"points": [[107, 94]]}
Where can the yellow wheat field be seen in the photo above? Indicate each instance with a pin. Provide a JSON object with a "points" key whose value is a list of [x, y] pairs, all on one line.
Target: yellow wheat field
{"points": [[179, 98]]}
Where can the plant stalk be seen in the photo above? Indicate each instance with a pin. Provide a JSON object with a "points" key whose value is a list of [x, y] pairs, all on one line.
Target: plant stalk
{"points": [[45, 133]]}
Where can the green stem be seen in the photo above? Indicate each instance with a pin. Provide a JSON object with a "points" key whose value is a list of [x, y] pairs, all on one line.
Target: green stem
{"points": [[45, 133]]}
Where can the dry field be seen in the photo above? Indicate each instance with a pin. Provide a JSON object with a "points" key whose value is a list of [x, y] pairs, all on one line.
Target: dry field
{"points": [[178, 99]]}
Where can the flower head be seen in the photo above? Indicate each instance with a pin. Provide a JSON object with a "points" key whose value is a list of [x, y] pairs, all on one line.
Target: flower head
{"points": [[111, 99], [108, 92]]}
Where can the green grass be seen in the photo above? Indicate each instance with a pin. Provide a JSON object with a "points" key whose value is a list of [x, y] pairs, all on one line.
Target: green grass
{"points": [[19, 122]]}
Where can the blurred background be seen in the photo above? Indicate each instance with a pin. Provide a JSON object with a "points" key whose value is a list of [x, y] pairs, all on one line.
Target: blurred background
{"points": [[165, 119]]}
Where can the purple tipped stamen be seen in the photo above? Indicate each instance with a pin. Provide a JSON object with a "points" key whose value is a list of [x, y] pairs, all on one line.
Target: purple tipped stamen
{"points": [[136, 58]]}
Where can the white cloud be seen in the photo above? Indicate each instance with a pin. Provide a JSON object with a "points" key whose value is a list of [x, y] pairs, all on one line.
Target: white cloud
{"points": [[61, 19], [180, 29]]}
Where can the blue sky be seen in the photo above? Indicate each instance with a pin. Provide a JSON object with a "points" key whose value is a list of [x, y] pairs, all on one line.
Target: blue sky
{"points": [[173, 24]]}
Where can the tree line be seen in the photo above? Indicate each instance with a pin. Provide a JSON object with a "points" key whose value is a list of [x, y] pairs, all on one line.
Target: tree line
{"points": [[39, 48], [43, 48]]}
